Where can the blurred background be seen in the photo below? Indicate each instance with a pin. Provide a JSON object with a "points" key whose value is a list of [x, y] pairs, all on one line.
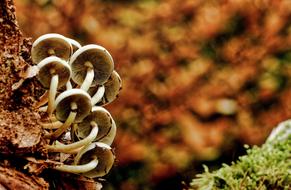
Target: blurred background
{"points": [[201, 78]]}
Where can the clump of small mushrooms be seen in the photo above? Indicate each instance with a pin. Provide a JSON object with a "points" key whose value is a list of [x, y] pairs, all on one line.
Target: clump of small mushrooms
{"points": [[79, 80]]}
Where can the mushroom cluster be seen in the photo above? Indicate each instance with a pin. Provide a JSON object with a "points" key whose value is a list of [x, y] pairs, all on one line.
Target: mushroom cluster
{"points": [[79, 81]]}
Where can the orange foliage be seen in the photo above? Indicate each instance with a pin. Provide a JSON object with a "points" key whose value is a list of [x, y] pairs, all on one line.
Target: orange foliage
{"points": [[198, 75]]}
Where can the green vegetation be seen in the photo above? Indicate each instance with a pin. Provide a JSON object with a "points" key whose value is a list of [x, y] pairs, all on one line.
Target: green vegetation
{"points": [[266, 167]]}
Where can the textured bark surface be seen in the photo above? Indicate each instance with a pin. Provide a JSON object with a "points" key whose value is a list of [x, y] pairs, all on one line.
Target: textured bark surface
{"points": [[13, 179], [20, 133]]}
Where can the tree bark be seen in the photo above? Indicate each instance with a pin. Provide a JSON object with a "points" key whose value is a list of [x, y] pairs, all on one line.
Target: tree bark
{"points": [[20, 133]]}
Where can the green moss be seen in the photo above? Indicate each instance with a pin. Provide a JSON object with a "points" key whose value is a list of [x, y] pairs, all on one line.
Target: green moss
{"points": [[266, 167]]}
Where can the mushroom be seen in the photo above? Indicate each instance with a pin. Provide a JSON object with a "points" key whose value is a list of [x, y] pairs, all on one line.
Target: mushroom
{"points": [[100, 117], [112, 89], [75, 45], [91, 65], [104, 155], [108, 139], [96, 92], [72, 106], [79, 168], [51, 44], [53, 74], [74, 147]]}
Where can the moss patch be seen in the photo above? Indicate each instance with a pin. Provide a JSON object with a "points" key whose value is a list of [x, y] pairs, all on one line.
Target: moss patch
{"points": [[266, 167]]}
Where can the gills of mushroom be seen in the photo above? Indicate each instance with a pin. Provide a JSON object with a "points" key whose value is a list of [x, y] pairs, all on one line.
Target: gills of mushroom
{"points": [[72, 106], [74, 147], [99, 116], [53, 74], [51, 45], [91, 65], [112, 89], [105, 157]]}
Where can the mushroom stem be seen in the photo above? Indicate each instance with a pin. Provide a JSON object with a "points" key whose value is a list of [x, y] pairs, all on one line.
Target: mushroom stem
{"points": [[52, 94], [42, 109], [69, 85], [70, 147], [67, 123], [42, 100], [98, 95], [51, 52], [78, 168], [52, 125], [88, 79]]}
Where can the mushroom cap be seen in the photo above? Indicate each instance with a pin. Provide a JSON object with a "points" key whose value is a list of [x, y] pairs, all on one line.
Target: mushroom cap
{"points": [[112, 89], [75, 45], [51, 66], [50, 44], [105, 157], [101, 117], [100, 59], [64, 100], [108, 139]]}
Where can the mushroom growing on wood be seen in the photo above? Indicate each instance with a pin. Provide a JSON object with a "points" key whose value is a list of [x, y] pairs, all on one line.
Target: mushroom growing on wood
{"points": [[71, 106], [100, 117], [112, 89], [74, 147], [51, 45], [104, 155], [91, 65], [97, 93], [75, 45], [53, 74]]}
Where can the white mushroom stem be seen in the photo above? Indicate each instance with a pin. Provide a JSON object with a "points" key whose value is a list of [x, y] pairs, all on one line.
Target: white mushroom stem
{"points": [[52, 125], [68, 122], [89, 76], [59, 147], [69, 85], [43, 109], [51, 52], [78, 168], [52, 94], [98, 95]]}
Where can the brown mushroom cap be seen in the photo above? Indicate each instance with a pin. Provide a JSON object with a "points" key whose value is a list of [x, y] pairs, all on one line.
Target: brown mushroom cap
{"points": [[101, 117], [112, 88], [105, 157], [51, 44], [51, 66], [100, 59], [64, 100]]}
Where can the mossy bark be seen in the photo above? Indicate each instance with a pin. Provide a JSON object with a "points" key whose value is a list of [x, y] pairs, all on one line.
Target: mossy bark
{"points": [[20, 133]]}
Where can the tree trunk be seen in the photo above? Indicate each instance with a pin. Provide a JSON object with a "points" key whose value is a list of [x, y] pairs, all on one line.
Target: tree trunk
{"points": [[20, 133]]}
